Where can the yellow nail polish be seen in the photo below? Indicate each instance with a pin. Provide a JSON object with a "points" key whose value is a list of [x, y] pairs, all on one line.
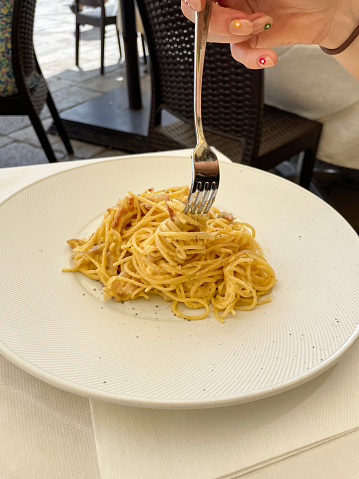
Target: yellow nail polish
{"points": [[240, 27]]}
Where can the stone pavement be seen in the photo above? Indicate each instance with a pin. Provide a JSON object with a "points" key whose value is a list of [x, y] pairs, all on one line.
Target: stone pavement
{"points": [[54, 41]]}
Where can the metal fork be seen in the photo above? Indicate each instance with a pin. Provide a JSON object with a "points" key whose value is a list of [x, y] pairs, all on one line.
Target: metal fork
{"points": [[205, 167]]}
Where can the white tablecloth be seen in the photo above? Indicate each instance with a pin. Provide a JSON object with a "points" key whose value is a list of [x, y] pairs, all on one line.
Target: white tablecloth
{"points": [[311, 431]]}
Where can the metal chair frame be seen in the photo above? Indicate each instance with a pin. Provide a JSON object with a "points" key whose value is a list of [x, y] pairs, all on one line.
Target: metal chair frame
{"points": [[100, 21]]}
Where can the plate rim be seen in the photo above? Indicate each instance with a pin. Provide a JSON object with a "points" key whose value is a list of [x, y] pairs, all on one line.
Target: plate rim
{"points": [[90, 392]]}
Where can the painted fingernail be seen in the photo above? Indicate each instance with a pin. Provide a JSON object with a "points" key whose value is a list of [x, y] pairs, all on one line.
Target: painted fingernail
{"points": [[240, 27], [265, 62], [261, 24]]}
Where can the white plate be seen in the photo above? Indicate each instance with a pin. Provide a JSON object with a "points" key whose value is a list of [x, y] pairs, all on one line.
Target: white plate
{"points": [[56, 327]]}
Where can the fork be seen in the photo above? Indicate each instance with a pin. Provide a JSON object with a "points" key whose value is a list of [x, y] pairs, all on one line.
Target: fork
{"points": [[205, 166]]}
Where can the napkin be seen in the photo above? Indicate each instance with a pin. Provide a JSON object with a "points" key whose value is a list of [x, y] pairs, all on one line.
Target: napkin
{"points": [[45, 433], [227, 442], [318, 460], [337, 458]]}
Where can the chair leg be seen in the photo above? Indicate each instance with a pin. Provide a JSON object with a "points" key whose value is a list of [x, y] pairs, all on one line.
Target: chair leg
{"points": [[309, 159], [59, 125], [77, 43], [102, 49], [119, 42], [41, 134], [307, 169], [144, 49]]}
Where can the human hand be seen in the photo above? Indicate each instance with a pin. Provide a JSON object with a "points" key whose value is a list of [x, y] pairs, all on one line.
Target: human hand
{"points": [[252, 33]]}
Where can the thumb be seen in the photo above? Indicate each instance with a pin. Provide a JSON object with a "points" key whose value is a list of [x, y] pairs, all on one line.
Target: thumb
{"points": [[197, 5]]}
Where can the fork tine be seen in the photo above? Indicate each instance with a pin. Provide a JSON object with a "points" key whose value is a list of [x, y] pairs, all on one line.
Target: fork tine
{"points": [[204, 199], [197, 200], [201, 197], [211, 198], [190, 199]]}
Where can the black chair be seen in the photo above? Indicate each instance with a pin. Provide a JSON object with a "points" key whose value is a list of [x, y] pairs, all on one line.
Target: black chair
{"points": [[100, 15], [235, 119], [30, 100]]}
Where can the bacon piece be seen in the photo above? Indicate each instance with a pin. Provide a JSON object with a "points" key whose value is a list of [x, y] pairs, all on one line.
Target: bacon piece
{"points": [[157, 198], [146, 206], [131, 202], [169, 209], [226, 216], [77, 262], [97, 247], [123, 288], [117, 217], [111, 259]]}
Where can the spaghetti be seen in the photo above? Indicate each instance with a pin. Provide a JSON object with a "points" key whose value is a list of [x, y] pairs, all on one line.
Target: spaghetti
{"points": [[146, 245]]}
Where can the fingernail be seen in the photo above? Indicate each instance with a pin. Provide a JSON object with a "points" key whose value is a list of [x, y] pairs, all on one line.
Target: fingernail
{"points": [[240, 27], [195, 4], [265, 62], [261, 24]]}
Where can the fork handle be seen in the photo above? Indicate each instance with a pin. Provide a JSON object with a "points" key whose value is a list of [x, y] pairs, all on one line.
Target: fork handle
{"points": [[201, 33]]}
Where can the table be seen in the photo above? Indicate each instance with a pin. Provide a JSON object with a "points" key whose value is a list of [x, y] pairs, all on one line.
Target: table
{"points": [[311, 431], [129, 35], [120, 117]]}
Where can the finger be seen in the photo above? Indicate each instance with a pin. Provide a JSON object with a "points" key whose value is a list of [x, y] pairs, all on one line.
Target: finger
{"points": [[212, 38], [230, 23], [196, 5], [253, 58]]}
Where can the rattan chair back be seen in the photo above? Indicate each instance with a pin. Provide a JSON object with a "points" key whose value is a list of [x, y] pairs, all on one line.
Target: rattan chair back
{"points": [[232, 95], [30, 97], [23, 55], [235, 119]]}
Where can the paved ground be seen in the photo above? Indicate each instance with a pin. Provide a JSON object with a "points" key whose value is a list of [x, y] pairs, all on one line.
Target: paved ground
{"points": [[55, 48]]}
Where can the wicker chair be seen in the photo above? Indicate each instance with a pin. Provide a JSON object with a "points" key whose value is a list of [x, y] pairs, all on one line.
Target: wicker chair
{"points": [[235, 119], [29, 100], [99, 16]]}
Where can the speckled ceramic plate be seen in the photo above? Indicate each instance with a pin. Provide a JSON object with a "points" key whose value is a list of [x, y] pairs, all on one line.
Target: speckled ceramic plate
{"points": [[55, 325]]}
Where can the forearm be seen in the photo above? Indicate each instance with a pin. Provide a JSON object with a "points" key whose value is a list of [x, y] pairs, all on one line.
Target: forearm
{"points": [[349, 58], [346, 22]]}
